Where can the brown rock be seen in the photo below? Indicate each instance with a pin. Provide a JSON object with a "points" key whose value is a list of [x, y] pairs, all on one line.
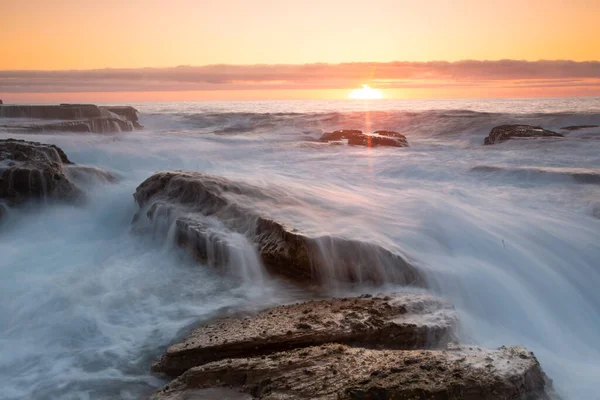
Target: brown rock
{"points": [[403, 321], [335, 371], [187, 199], [358, 138], [503, 133], [31, 170]]}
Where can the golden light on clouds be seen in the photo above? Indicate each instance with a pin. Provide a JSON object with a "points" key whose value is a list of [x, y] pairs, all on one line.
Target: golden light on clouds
{"points": [[365, 93]]}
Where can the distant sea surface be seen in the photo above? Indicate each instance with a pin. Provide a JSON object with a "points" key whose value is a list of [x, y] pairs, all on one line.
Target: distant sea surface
{"points": [[508, 233]]}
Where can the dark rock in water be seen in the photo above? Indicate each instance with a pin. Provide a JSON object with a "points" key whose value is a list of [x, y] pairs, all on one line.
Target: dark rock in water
{"points": [[74, 117], [503, 133], [577, 127], [33, 170], [205, 209], [400, 321], [1, 102], [92, 125], [127, 112], [336, 371], [358, 138]]}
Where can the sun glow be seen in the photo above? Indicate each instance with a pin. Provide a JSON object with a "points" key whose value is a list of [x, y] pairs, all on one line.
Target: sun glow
{"points": [[365, 93]]}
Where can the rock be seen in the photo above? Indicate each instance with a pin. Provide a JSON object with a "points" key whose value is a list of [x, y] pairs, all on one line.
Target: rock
{"points": [[358, 138], [74, 117], [578, 127], [206, 210], [31, 170], [335, 371], [402, 321], [503, 133], [127, 112], [1, 102], [92, 125]]}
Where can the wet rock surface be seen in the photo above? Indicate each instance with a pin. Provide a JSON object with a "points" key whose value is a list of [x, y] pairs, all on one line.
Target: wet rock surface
{"points": [[336, 371], [400, 321], [503, 133], [38, 171], [358, 138], [32, 170], [207, 209], [80, 118]]}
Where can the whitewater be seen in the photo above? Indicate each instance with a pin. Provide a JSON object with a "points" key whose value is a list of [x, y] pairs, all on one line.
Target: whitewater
{"points": [[509, 233]]}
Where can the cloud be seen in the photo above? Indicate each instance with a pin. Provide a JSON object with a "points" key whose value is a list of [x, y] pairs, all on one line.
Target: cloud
{"points": [[547, 73]]}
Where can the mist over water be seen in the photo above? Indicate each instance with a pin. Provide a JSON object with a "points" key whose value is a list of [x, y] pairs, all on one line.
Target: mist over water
{"points": [[507, 233]]}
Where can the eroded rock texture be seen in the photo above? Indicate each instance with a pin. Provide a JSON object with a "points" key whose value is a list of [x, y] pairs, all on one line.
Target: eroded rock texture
{"points": [[206, 209], [336, 371], [401, 321], [503, 133]]}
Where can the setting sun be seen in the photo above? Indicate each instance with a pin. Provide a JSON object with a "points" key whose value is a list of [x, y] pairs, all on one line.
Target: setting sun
{"points": [[365, 93]]}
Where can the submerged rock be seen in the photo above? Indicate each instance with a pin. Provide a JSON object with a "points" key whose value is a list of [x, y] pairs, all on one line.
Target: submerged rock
{"points": [[578, 127], [73, 117], [205, 210], [503, 133], [358, 138], [336, 371], [32, 170], [402, 321]]}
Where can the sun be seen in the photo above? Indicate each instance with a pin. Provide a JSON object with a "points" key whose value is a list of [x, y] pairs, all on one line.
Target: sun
{"points": [[365, 93]]}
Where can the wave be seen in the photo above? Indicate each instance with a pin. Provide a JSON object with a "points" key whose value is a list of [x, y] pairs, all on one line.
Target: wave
{"points": [[427, 124]]}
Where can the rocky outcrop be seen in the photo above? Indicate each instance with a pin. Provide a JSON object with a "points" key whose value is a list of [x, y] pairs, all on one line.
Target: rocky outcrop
{"points": [[399, 346], [401, 321], [31, 170], [205, 210], [503, 133], [358, 138], [37, 171], [127, 112], [578, 127], [73, 117], [336, 371]]}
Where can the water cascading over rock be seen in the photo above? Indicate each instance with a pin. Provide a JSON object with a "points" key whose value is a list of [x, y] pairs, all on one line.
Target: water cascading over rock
{"points": [[204, 210]]}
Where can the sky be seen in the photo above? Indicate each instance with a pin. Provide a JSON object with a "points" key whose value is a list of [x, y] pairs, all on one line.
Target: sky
{"points": [[268, 49]]}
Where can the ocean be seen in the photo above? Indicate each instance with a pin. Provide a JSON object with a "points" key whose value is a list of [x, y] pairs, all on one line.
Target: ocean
{"points": [[509, 233]]}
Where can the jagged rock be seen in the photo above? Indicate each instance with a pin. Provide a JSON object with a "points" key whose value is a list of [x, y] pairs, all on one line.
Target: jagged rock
{"points": [[75, 117], [503, 133], [206, 209], [358, 138], [335, 371], [402, 321], [33, 170], [578, 127]]}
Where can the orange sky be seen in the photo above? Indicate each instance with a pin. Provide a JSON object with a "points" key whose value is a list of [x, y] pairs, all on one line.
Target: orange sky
{"points": [[86, 34]]}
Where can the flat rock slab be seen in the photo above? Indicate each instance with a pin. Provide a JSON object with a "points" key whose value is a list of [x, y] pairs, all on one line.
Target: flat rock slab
{"points": [[401, 321], [336, 371], [503, 133]]}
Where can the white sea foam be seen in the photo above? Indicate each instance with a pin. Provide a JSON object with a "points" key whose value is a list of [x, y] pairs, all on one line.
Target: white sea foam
{"points": [[85, 304]]}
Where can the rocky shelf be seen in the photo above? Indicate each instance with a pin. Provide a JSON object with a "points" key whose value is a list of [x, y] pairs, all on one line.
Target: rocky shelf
{"points": [[385, 347], [71, 118]]}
